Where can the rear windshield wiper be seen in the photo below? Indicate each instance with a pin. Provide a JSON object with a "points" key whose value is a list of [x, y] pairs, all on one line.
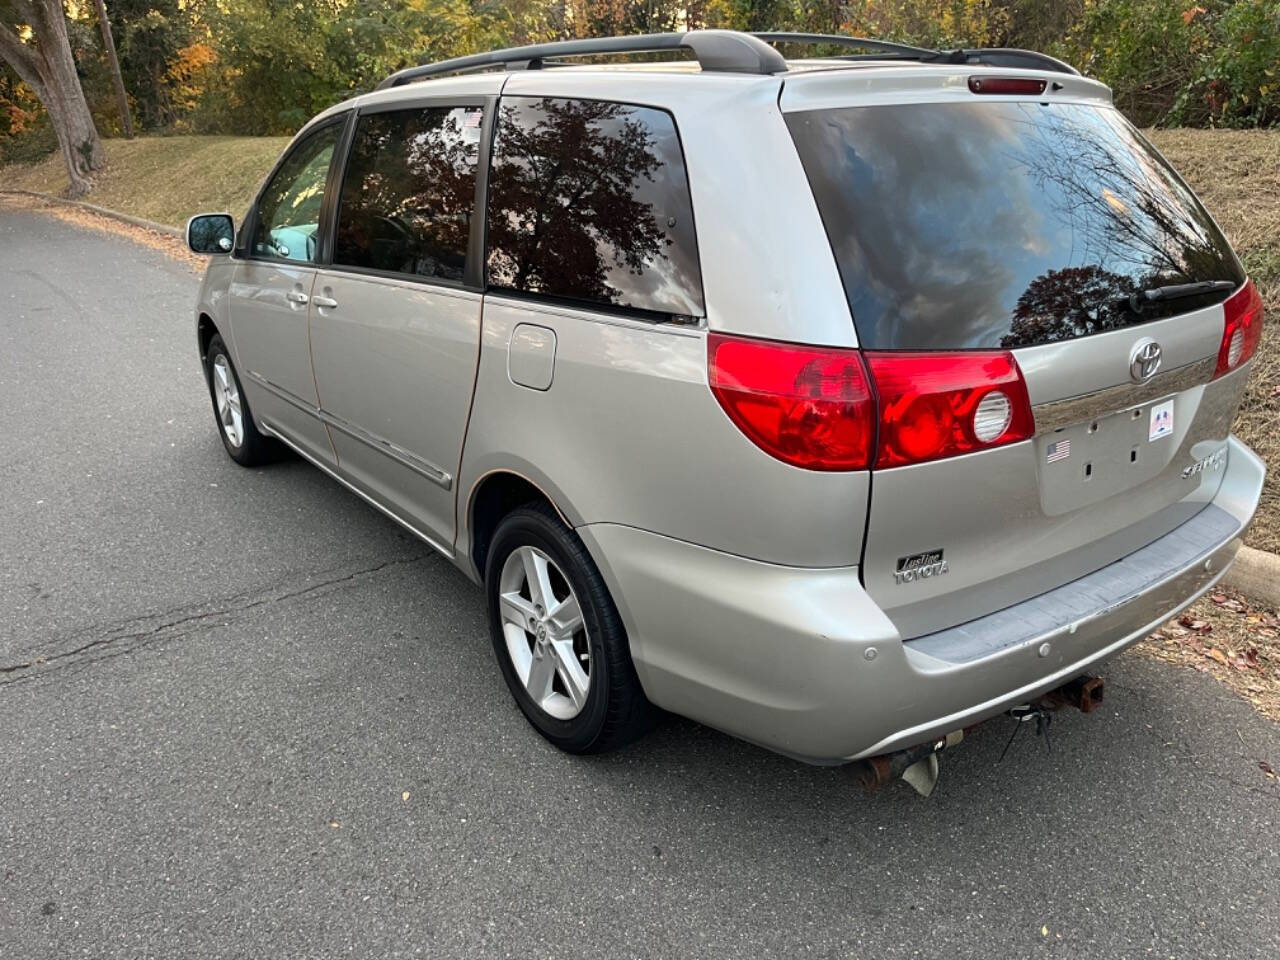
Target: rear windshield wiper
{"points": [[1177, 291]]}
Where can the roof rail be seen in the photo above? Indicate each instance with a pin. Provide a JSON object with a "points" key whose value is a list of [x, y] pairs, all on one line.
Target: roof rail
{"points": [[726, 51], [840, 40], [886, 50]]}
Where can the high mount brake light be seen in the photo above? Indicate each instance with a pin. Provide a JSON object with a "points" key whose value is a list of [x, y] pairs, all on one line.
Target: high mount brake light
{"points": [[1007, 86], [1242, 329], [814, 407]]}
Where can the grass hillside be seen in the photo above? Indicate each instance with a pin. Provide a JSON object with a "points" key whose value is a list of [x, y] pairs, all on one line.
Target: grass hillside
{"points": [[1237, 175], [165, 179], [1235, 172]]}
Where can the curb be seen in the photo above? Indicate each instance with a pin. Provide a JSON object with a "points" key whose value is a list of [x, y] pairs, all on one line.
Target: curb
{"points": [[1256, 574], [103, 211]]}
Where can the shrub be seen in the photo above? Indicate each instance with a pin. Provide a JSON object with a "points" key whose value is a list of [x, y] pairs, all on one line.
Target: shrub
{"points": [[1238, 83]]}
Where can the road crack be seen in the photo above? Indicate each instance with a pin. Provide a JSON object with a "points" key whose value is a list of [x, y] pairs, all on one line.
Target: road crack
{"points": [[16, 672]]}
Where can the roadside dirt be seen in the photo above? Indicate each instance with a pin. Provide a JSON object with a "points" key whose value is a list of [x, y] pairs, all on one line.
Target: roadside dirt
{"points": [[171, 247], [1231, 638]]}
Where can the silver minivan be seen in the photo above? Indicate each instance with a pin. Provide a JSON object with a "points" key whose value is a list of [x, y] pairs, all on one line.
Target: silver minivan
{"points": [[838, 403]]}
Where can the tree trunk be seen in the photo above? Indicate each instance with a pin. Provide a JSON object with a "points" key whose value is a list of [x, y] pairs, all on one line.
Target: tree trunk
{"points": [[48, 67], [109, 44]]}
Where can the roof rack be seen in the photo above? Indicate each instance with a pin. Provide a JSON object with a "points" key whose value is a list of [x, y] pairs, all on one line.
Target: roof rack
{"points": [[840, 40], [725, 51], [886, 50]]}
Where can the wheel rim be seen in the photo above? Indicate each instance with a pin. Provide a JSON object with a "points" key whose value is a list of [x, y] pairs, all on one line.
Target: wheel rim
{"points": [[226, 397], [545, 634]]}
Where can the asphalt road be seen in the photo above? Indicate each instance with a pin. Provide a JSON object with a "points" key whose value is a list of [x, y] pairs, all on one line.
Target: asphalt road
{"points": [[219, 684]]}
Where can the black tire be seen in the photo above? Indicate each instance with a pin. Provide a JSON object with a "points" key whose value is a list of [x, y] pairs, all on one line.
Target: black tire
{"points": [[616, 711], [253, 449]]}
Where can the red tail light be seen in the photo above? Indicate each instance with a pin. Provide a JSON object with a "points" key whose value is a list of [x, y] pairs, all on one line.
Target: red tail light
{"points": [[935, 405], [1242, 331], [813, 406], [807, 406]]}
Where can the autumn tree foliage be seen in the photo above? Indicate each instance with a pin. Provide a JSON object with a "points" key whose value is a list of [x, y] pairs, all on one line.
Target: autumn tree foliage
{"points": [[265, 66]]}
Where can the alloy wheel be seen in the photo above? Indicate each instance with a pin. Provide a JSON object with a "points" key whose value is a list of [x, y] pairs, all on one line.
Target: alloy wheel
{"points": [[226, 397], [545, 634]]}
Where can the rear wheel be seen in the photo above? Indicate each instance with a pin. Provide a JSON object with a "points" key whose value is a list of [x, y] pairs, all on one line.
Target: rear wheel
{"points": [[558, 637], [240, 436]]}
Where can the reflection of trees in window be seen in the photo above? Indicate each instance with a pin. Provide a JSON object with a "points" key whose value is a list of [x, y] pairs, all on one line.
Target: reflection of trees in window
{"points": [[408, 192], [294, 196], [1116, 197], [961, 225], [1066, 303], [1124, 210], [572, 194]]}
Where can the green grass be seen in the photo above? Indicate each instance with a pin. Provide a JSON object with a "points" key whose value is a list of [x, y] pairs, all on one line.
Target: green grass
{"points": [[1235, 172], [165, 179]]}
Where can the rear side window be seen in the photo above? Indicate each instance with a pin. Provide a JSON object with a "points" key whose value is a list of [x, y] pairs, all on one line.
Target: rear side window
{"points": [[959, 225], [408, 192], [588, 201]]}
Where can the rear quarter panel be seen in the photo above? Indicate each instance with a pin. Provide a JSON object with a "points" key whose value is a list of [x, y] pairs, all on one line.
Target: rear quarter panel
{"points": [[629, 433]]}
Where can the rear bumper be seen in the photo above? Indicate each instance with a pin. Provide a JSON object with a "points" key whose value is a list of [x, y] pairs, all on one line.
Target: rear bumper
{"points": [[803, 662]]}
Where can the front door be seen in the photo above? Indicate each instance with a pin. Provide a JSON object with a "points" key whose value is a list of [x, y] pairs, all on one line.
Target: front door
{"points": [[271, 294], [395, 321]]}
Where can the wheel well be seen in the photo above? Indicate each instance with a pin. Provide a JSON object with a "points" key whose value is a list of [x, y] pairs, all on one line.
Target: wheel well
{"points": [[205, 330], [497, 495]]}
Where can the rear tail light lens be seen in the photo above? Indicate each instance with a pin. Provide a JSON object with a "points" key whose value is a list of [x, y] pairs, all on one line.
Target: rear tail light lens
{"points": [[810, 407], [1242, 330], [814, 407], [936, 405]]}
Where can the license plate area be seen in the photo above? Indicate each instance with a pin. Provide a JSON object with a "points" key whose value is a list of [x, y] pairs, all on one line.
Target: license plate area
{"points": [[1091, 461]]}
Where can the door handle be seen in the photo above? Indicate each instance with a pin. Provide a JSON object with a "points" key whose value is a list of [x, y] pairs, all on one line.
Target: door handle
{"points": [[324, 302], [296, 296]]}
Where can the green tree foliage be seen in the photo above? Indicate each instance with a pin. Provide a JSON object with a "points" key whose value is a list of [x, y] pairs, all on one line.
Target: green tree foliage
{"points": [[265, 66]]}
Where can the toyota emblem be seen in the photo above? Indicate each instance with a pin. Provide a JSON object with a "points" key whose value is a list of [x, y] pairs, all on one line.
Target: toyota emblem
{"points": [[1144, 361]]}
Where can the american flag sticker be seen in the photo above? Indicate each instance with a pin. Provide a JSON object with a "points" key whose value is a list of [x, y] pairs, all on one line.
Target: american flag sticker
{"points": [[1058, 450]]}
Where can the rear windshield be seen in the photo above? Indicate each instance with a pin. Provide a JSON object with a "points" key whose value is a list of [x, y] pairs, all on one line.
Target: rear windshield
{"points": [[1009, 224]]}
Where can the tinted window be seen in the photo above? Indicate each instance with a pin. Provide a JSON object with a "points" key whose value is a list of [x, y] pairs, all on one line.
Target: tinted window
{"points": [[1001, 224], [408, 192], [288, 220], [588, 201]]}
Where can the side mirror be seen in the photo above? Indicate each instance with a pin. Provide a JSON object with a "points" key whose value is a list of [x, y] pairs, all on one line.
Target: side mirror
{"points": [[211, 233]]}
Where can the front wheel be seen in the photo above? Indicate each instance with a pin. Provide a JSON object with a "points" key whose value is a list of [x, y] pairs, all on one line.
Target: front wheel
{"points": [[240, 435], [558, 637]]}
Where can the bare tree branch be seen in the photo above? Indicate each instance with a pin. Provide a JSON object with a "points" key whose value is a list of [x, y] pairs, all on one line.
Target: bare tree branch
{"points": [[21, 57]]}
